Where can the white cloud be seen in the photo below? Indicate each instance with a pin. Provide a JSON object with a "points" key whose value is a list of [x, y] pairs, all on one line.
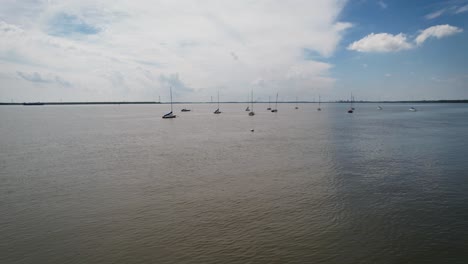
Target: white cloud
{"points": [[439, 31], [382, 42], [435, 14], [462, 9], [118, 49], [385, 42]]}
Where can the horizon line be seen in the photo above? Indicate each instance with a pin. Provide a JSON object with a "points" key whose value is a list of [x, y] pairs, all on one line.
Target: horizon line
{"points": [[226, 102]]}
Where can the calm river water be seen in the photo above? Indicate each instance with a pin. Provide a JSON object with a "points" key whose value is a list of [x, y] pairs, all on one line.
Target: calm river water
{"points": [[118, 184]]}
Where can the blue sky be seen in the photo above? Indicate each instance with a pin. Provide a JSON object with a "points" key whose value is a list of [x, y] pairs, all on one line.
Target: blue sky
{"points": [[435, 69], [98, 50]]}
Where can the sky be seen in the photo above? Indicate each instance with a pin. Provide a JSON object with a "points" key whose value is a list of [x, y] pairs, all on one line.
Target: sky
{"points": [[119, 50]]}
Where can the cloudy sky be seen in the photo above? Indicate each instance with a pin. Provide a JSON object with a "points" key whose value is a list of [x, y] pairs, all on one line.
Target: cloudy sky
{"points": [[103, 50]]}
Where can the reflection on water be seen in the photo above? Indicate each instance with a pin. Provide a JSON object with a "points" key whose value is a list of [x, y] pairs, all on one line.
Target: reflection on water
{"points": [[118, 184]]}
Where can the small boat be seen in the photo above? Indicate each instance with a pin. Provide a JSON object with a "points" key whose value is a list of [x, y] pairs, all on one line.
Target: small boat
{"points": [[412, 109], [269, 107], [251, 113], [217, 110], [185, 110], [276, 105], [247, 109], [170, 114], [297, 107], [319, 109], [379, 107]]}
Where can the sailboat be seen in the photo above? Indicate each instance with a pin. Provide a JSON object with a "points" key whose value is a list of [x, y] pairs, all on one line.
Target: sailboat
{"points": [[247, 109], [412, 109], [276, 105], [297, 107], [269, 107], [170, 114], [217, 110], [319, 109], [379, 107], [351, 109], [251, 113]]}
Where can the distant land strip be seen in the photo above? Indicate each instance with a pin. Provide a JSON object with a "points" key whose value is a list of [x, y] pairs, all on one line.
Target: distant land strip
{"points": [[228, 102]]}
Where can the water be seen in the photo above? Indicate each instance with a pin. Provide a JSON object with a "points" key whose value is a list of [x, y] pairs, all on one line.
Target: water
{"points": [[118, 184]]}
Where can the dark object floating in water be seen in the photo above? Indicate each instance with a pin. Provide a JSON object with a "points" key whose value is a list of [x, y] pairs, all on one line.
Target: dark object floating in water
{"points": [[185, 110]]}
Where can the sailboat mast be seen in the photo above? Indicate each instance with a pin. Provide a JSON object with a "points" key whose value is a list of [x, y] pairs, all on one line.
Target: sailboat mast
{"points": [[319, 100], [252, 100], [171, 98], [269, 101], [218, 99], [276, 104]]}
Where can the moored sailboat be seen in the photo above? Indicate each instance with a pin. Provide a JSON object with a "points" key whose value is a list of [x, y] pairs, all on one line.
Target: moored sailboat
{"points": [[319, 109], [276, 105], [251, 113], [170, 114], [217, 111], [351, 108]]}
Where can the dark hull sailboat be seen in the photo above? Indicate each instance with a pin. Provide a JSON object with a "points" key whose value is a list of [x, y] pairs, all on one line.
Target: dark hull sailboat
{"points": [[170, 114]]}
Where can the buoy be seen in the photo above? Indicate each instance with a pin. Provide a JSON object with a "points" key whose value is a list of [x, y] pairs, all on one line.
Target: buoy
{"points": [[251, 130]]}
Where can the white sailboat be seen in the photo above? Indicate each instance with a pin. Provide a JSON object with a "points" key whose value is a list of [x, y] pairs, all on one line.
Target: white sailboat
{"points": [[217, 110], [170, 114], [276, 105], [251, 113]]}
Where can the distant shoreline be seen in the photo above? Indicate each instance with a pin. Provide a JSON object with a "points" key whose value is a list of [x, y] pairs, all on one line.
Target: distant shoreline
{"points": [[284, 102]]}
